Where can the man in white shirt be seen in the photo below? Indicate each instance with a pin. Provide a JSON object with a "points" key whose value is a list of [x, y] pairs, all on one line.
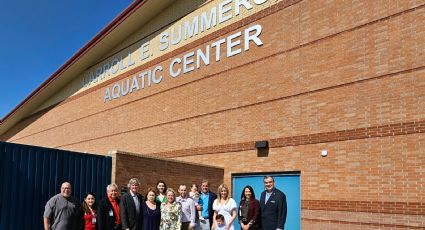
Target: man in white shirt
{"points": [[188, 209]]}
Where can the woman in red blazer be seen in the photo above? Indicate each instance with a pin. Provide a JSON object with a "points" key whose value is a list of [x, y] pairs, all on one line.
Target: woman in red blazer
{"points": [[249, 210]]}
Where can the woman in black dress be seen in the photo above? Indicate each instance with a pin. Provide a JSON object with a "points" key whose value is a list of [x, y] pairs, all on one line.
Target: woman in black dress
{"points": [[151, 211]]}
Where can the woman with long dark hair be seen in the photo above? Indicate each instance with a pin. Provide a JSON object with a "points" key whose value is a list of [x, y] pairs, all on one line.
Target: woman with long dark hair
{"points": [[161, 187], [249, 210], [89, 208], [151, 211]]}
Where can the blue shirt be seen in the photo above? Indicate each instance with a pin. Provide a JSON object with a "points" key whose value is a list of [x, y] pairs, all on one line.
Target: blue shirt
{"points": [[268, 195], [203, 201]]}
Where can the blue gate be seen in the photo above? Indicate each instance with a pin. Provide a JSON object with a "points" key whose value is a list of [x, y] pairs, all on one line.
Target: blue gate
{"points": [[287, 183], [30, 175]]}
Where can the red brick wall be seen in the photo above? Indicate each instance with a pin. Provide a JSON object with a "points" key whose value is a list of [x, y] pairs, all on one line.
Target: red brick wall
{"points": [[303, 74], [149, 170], [377, 181], [346, 76]]}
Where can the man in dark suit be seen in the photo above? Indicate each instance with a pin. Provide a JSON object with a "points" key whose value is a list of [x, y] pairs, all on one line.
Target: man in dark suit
{"points": [[206, 201], [273, 206], [131, 211], [108, 214]]}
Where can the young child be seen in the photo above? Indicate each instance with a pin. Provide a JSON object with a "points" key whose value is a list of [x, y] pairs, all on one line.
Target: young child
{"points": [[193, 190], [194, 194], [221, 225]]}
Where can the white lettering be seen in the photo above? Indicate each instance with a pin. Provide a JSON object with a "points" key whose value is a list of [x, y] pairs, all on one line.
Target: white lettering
{"points": [[187, 60], [84, 84], [175, 41], [189, 31], [99, 72], [115, 63], [172, 73], [134, 84], [185, 64], [144, 51], [116, 91], [259, 2], [130, 61], [184, 29], [106, 68], [206, 23], [222, 10], [90, 78], [142, 76], [122, 66], [239, 3], [231, 44], [163, 41], [107, 96], [124, 91], [154, 79], [205, 57], [217, 45], [257, 28]]}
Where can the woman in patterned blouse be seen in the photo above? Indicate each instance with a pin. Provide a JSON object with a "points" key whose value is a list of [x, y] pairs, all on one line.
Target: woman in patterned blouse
{"points": [[170, 212]]}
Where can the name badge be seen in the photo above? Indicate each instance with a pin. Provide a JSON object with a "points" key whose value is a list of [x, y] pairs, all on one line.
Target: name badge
{"points": [[93, 220], [111, 213], [272, 201]]}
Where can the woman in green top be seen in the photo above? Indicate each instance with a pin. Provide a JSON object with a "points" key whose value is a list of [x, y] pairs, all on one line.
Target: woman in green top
{"points": [[161, 187]]}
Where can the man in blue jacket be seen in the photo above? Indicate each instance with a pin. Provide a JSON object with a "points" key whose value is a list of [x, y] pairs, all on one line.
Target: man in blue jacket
{"points": [[273, 206]]}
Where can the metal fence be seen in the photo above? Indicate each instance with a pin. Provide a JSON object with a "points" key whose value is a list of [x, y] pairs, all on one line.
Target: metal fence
{"points": [[30, 175]]}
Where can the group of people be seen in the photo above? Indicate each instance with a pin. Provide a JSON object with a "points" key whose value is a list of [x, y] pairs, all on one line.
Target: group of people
{"points": [[163, 209]]}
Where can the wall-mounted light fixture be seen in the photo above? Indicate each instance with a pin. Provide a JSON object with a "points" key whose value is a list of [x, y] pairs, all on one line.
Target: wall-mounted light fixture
{"points": [[261, 144], [324, 153], [262, 148]]}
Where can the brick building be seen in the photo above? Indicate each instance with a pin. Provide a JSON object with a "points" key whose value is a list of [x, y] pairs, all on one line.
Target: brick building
{"points": [[204, 81]]}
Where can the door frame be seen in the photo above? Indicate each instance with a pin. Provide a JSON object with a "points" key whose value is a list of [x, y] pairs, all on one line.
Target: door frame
{"points": [[272, 173]]}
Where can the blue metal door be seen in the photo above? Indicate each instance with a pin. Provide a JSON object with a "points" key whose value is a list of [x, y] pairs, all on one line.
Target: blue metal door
{"points": [[287, 183]]}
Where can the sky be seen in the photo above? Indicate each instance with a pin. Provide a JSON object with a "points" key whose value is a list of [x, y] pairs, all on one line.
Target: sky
{"points": [[37, 37]]}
